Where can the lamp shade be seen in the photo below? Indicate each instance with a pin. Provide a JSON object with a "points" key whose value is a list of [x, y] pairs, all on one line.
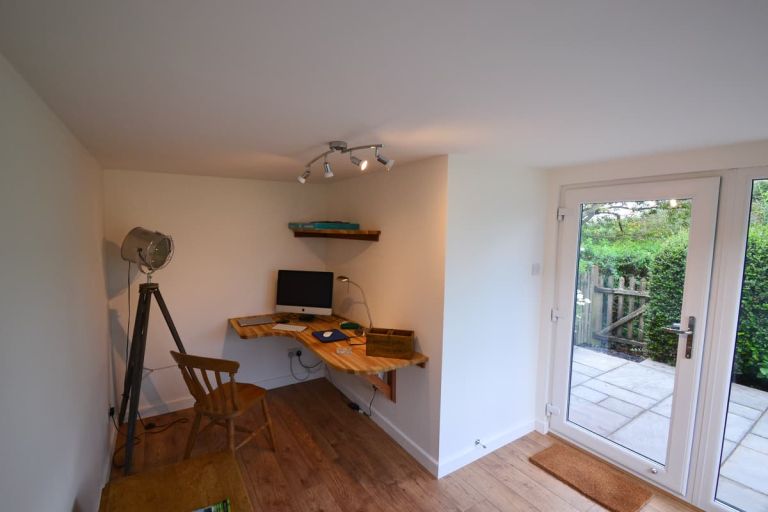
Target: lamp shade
{"points": [[149, 250]]}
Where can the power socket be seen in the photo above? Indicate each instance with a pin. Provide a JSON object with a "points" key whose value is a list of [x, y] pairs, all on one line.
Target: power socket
{"points": [[111, 411], [294, 352]]}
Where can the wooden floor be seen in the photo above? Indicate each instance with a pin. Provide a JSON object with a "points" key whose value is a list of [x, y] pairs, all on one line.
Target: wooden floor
{"points": [[330, 458]]}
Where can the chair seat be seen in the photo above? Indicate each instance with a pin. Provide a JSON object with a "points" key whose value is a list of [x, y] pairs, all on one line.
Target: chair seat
{"points": [[247, 396]]}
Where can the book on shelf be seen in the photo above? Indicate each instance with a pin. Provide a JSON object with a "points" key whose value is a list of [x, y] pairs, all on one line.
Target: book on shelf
{"points": [[324, 224]]}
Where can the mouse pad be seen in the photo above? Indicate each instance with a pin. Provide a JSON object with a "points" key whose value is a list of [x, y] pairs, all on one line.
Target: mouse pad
{"points": [[336, 335]]}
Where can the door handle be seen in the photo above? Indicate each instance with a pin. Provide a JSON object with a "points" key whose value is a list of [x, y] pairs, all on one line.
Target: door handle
{"points": [[688, 333]]}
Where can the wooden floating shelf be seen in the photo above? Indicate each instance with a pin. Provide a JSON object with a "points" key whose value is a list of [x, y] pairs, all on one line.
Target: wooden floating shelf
{"points": [[348, 234]]}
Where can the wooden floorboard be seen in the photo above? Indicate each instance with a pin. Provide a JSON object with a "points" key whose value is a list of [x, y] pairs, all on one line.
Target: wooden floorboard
{"points": [[330, 458]]}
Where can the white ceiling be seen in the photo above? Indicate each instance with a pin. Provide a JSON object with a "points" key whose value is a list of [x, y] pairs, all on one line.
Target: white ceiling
{"points": [[256, 88]]}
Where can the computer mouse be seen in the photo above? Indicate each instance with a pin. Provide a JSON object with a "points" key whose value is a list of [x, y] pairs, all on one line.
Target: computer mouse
{"points": [[327, 334]]}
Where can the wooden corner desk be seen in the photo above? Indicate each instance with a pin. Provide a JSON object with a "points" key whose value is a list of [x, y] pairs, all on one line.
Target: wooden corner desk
{"points": [[356, 362]]}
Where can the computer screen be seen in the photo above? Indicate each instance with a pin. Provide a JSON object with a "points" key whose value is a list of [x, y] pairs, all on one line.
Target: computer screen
{"points": [[302, 291]]}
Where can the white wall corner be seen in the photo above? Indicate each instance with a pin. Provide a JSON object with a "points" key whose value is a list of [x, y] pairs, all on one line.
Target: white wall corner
{"points": [[451, 463], [542, 426]]}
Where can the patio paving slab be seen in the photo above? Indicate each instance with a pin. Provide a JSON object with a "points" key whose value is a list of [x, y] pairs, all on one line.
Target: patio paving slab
{"points": [[596, 360], [753, 398], [740, 496], [757, 443], [588, 394], [593, 417], [748, 467], [620, 393], [642, 380], [744, 411], [578, 377], [664, 407], [621, 407], [646, 434], [658, 366], [737, 427], [586, 370], [761, 428]]}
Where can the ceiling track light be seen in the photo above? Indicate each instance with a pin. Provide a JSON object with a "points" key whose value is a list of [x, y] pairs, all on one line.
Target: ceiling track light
{"points": [[362, 164], [304, 176], [341, 147], [386, 162]]}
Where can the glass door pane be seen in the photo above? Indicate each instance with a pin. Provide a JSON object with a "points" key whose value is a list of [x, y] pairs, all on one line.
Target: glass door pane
{"points": [[632, 259], [743, 477]]}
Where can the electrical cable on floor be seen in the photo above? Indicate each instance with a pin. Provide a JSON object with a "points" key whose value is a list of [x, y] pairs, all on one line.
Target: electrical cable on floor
{"points": [[370, 404]]}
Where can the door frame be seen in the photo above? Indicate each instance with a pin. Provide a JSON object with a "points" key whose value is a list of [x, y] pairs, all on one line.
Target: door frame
{"points": [[674, 474], [725, 298]]}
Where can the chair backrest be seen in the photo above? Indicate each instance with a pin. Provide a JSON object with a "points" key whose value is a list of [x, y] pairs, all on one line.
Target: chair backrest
{"points": [[196, 368]]}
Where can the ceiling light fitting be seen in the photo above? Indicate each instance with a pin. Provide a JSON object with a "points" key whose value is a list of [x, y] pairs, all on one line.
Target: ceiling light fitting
{"points": [[341, 147]]}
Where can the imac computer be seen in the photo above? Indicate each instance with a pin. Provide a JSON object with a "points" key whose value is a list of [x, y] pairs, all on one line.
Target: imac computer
{"points": [[304, 292]]}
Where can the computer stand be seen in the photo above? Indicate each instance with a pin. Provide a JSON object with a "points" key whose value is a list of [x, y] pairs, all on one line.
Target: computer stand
{"points": [[135, 365]]}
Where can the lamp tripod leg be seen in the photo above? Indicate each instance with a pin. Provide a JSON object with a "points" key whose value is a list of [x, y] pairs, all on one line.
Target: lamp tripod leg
{"points": [[130, 364], [168, 320], [137, 372]]}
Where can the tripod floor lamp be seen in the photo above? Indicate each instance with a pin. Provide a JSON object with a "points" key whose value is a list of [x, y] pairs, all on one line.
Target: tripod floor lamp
{"points": [[150, 251]]}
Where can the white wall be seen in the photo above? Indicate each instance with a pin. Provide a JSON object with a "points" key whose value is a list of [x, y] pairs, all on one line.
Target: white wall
{"points": [[715, 160], [231, 237], [54, 427], [492, 302], [402, 276]]}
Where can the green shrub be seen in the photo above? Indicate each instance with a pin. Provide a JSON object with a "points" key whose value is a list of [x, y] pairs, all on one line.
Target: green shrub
{"points": [[666, 289], [751, 359]]}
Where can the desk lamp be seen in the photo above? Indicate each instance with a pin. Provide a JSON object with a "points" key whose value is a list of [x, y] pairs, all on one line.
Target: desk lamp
{"points": [[345, 279]]}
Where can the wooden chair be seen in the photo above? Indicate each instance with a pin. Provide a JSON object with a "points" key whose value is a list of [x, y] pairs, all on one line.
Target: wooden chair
{"points": [[225, 402]]}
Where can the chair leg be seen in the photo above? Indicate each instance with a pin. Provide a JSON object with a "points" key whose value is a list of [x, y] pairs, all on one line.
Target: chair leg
{"points": [[231, 434], [268, 420], [193, 435]]}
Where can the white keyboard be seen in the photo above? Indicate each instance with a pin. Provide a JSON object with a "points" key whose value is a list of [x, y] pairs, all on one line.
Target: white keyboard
{"points": [[289, 327], [255, 320]]}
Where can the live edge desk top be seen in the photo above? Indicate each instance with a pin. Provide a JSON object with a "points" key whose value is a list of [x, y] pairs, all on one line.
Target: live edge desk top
{"points": [[356, 362]]}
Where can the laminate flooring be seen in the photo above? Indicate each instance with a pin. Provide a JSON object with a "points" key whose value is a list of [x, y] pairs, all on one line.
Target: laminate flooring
{"points": [[330, 458]]}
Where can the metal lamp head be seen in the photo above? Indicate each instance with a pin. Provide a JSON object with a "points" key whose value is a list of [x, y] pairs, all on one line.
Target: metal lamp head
{"points": [[149, 250]]}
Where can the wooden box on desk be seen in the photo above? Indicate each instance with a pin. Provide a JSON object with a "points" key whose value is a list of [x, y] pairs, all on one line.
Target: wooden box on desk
{"points": [[385, 342]]}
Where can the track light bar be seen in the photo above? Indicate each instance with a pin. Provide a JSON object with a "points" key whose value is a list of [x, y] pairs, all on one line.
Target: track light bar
{"points": [[342, 147]]}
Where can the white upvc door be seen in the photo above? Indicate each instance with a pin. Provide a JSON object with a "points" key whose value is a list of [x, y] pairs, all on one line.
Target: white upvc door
{"points": [[607, 396]]}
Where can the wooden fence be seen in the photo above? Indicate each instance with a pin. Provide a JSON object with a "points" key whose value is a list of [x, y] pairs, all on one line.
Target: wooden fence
{"points": [[610, 311]]}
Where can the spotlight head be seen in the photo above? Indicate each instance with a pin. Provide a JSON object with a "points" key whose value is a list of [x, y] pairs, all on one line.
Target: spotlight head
{"points": [[304, 176], [149, 250], [362, 164], [343, 279], [386, 162], [327, 171]]}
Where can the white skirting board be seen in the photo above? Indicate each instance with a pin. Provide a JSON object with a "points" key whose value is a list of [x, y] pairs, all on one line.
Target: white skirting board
{"points": [[185, 402], [451, 463], [416, 451]]}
